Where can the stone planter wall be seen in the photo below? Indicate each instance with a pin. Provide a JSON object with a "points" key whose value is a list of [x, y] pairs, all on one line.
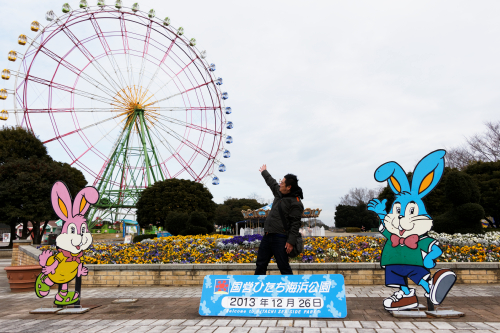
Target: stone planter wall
{"points": [[193, 274], [5, 253]]}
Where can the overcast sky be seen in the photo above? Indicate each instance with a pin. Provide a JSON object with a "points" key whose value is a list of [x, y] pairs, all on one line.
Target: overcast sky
{"points": [[330, 90]]}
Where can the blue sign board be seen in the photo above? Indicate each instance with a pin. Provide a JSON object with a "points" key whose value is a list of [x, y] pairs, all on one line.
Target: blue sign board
{"points": [[317, 296], [163, 234]]}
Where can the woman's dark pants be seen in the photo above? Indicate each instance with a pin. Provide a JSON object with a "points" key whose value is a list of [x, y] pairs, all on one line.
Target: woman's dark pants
{"points": [[273, 245]]}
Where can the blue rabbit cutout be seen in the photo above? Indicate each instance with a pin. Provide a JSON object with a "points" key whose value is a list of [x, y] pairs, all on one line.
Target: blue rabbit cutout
{"points": [[409, 252]]}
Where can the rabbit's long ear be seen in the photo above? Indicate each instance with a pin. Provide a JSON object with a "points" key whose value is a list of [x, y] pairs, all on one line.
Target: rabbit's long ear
{"points": [[86, 197], [61, 200], [395, 176], [428, 173]]}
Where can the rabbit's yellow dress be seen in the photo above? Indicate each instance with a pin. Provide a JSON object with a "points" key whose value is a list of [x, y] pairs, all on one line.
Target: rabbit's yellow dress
{"points": [[67, 268]]}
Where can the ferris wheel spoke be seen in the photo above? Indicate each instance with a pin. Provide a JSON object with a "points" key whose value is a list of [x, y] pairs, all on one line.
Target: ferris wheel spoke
{"points": [[75, 70], [179, 159], [92, 60], [63, 110], [173, 77], [81, 129], [182, 92], [189, 125], [69, 89], [144, 53], [183, 108], [108, 50], [185, 141], [93, 145], [126, 48], [165, 56]]}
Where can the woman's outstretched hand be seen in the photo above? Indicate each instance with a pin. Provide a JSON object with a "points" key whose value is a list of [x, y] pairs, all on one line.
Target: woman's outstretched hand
{"points": [[262, 168]]}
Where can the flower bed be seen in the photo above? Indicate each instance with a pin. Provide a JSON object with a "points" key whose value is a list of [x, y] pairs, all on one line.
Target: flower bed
{"points": [[243, 249]]}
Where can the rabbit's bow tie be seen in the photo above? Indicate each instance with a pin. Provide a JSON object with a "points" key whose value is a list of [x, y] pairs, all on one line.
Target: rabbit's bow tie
{"points": [[410, 241], [70, 257]]}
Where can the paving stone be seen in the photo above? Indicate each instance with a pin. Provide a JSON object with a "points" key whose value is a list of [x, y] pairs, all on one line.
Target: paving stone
{"points": [[240, 330], [370, 324], [479, 326], [176, 322], [442, 325], [275, 330], [461, 326], [301, 323], [311, 330], [220, 322], [237, 323], [318, 323], [366, 330], [293, 329], [387, 324], [384, 330], [161, 322], [495, 326], [268, 323], [191, 329], [288, 323], [347, 330], [253, 323], [174, 329], [418, 330], [157, 329], [223, 329], [191, 322], [208, 322], [335, 324], [405, 325], [206, 329], [329, 330], [258, 330], [423, 325], [119, 322], [110, 329], [352, 324], [125, 329]]}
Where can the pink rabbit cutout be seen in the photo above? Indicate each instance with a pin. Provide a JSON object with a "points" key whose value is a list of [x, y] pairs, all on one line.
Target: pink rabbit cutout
{"points": [[65, 265]]}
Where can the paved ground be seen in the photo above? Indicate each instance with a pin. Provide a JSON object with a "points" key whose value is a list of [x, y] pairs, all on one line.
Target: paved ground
{"points": [[175, 309]]}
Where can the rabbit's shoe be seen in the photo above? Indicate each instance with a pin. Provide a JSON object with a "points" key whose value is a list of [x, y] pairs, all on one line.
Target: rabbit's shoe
{"points": [[400, 301]]}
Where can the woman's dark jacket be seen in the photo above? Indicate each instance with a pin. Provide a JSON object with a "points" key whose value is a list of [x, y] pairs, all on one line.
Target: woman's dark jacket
{"points": [[291, 206]]}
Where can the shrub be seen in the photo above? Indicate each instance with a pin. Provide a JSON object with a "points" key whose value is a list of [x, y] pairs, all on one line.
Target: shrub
{"points": [[352, 229], [466, 214], [176, 222], [139, 238], [460, 188], [193, 230]]}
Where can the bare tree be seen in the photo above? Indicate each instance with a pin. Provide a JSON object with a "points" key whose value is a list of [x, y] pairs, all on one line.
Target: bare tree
{"points": [[459, 157], [486, 147], [357, 196], [259, 198], [480, 147]]}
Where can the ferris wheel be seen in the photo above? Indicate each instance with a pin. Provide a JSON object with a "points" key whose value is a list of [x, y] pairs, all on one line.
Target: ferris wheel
{"points": [[123, 96]]}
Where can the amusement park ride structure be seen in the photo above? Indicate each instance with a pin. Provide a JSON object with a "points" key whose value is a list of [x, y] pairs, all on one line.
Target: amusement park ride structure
{"points": [[123, 96]]}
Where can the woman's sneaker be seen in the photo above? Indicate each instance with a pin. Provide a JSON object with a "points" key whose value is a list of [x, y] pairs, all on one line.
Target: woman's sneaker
{"points": [[440, 285], [400, 301]]}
